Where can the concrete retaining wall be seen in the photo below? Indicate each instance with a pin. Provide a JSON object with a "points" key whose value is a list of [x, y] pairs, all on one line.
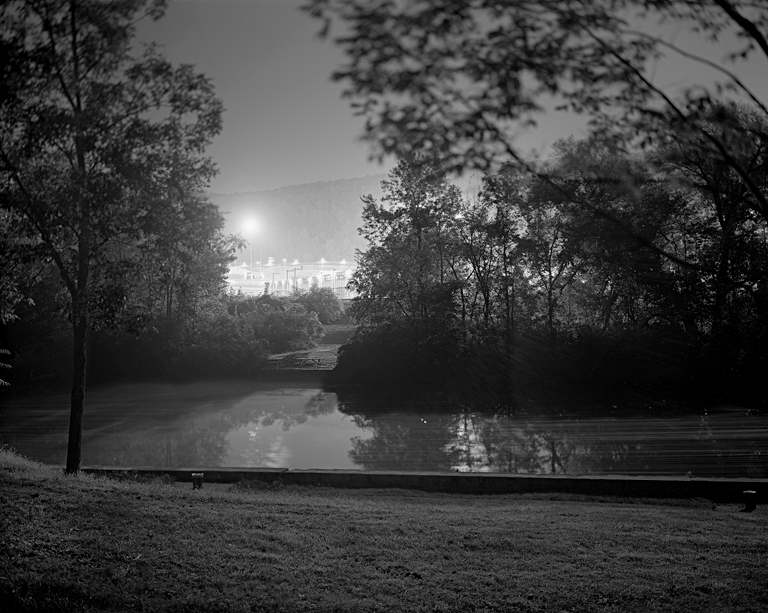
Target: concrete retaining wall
{"points": [[717, 490]]}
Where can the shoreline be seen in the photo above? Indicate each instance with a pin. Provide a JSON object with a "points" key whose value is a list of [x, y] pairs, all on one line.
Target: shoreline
{"points": [[719, 490]]}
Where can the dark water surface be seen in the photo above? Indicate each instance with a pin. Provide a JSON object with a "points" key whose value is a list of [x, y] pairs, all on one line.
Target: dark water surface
{"points": [[294, 425]]}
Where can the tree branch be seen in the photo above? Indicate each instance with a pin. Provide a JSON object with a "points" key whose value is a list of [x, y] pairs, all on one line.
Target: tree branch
{"points": [[748, 26]]}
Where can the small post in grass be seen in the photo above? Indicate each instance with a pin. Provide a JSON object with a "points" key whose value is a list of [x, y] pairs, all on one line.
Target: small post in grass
{"points": [[749, 501], [197, 481]]}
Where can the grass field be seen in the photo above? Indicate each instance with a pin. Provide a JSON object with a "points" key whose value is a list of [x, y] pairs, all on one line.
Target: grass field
{"points": [[79, 543]]}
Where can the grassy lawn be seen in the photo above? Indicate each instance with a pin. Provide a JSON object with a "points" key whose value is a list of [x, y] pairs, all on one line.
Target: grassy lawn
{"points": [[86, 544]]}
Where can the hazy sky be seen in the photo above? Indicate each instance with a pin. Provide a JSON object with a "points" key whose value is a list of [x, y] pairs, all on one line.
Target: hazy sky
{"points": [[285, 122]]}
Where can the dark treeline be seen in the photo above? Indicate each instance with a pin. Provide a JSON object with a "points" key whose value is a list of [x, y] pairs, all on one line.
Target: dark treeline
{"points": [[606, 278], [200, 332]]}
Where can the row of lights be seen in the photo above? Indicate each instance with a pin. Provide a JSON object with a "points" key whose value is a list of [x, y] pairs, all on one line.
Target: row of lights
{"points": [[250, 226], [295, 262]]}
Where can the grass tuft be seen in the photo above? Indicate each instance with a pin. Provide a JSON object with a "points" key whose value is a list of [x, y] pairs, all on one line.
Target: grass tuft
{"points": [[11, 461]]}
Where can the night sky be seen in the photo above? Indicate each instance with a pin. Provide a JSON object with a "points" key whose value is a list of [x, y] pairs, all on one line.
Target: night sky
{"points": [[285, 122]]}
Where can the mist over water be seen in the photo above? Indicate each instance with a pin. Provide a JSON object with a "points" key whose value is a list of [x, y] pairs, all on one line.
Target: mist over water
{"points": [[294, 425]]}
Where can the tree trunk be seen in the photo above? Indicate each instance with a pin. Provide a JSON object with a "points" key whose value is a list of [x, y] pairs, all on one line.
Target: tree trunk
{"points": [[168, 304], [608, 310], [80, 334], [551, 312], [79, 287]]}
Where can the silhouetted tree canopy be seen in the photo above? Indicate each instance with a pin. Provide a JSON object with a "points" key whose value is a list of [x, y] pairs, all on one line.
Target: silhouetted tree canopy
{"points": [[459, 79], [531, 291], [101, 159]]}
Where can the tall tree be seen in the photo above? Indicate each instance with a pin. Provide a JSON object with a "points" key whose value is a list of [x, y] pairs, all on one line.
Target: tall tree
{"points": [[99, 147], [404, 274], [730, 226]]}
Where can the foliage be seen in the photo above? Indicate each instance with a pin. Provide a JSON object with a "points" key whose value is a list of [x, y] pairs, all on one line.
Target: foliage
{"points": [[217, 344], [3, 364], [226, 336], [525, 295], [677, 244], [407, 281], [322, 301], [405, 275], [20, 269], [101, 156], [459, 79], [284, 323]]}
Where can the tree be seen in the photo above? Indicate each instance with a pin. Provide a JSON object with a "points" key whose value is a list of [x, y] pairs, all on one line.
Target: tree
{"points": [[101, 150], [322, 301], [282, 323], [21, 266], [460, 78], [729, 229], [614, 208], [408, 280], [405, 274]]}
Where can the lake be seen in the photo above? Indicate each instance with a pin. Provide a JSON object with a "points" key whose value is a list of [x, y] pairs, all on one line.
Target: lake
{"points": [[299, 425]]}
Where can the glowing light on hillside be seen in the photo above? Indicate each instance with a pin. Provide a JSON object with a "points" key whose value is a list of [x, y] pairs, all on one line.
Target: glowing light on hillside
{"points": [[250, 225]]}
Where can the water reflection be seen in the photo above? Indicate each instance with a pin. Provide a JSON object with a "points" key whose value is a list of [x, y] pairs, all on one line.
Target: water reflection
{"points": [[302, 429], [269, 424], [188, 425], [726, 444], [404, 441]]}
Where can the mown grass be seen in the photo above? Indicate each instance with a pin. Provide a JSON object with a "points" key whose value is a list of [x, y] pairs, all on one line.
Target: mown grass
{"points": [[79, 543]]}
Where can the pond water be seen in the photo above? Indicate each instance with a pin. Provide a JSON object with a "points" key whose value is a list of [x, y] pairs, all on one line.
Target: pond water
{"points": [[273, 424]]}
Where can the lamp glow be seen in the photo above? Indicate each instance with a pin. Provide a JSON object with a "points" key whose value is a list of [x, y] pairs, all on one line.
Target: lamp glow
{"points": [[250, 225]]}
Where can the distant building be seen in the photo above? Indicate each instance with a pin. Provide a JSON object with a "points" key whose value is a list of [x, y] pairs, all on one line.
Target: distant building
{"points": [[239, 272], [284, 280]]}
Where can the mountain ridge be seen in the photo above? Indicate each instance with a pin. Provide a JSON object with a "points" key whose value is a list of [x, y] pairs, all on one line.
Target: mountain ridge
{"points": [[380, 176]]}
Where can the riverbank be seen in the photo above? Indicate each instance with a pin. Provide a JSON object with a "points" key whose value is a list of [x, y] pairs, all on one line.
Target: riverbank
{"points": [[94, 544], [478, 483]]}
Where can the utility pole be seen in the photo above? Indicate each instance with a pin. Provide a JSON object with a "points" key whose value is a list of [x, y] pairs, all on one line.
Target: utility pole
{"points": [[294, 274]]}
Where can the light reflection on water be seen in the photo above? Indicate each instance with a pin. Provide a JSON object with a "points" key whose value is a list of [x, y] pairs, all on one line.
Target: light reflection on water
{"points": [[274, 425], [303, 429], [187, 425]]}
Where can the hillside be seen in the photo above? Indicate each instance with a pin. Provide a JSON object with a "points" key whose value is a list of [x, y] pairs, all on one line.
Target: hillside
{"points": [[304, 222]]}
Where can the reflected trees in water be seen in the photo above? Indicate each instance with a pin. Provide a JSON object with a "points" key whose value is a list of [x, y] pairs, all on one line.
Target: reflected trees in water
{"points": [[474, 442], [480, 442], [320, 404], [198, 440], [172, 435], [404, 441], [261, 451], [266, 425]]}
